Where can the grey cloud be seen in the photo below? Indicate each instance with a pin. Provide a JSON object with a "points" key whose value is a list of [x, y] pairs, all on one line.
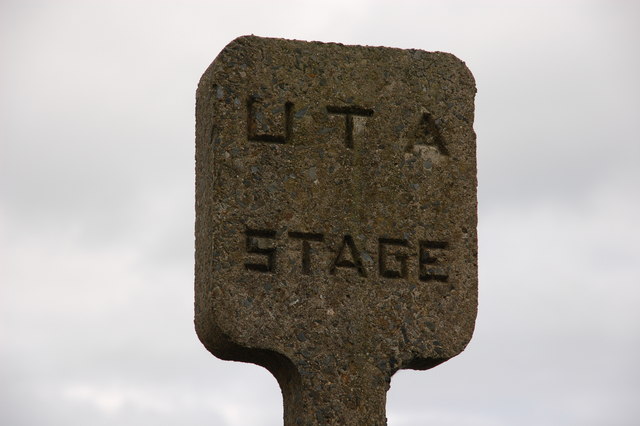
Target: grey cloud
{"points": [[96, 204]]}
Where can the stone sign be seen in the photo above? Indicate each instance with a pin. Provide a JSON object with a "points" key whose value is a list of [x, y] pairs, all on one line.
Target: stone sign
{"points": [[335, 218]]}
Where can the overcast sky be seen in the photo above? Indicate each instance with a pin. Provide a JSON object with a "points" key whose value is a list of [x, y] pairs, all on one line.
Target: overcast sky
{"points": [[96, 210]]}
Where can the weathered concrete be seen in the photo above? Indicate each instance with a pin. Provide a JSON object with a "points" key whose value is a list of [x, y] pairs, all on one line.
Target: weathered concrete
{"points": [[335, 218]]}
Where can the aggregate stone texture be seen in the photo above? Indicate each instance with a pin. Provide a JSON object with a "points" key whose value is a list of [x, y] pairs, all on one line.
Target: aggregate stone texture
{"points": [[335, 218]]}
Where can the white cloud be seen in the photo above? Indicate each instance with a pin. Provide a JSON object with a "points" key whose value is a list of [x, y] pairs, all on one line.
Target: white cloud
{"points": [[96, 210]]}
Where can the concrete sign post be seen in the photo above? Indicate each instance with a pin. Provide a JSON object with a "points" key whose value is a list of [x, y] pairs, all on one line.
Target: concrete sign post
{"points": [[335, 218]]}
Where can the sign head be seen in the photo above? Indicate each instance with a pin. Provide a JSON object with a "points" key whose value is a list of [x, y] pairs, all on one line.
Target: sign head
{"points": [[335, 217]]}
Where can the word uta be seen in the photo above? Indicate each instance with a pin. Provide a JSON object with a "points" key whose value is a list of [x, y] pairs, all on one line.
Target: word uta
{"points": [[427, 126], [393, 255]]}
